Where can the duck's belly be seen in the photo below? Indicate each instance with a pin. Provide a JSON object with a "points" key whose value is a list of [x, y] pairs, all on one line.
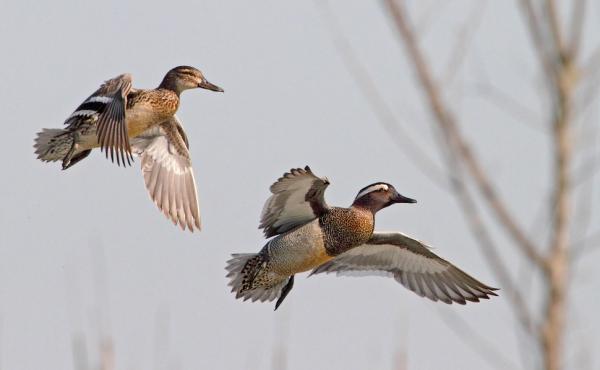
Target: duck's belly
{"points": [[300, 250]]}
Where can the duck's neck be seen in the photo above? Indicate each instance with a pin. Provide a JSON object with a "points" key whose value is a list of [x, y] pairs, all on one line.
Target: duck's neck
{"points": [[170, 83], [368, 204]]}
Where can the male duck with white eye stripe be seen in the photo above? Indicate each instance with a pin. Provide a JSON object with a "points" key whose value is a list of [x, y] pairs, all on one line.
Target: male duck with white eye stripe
{"points": [[310, 235], [122, 120]]}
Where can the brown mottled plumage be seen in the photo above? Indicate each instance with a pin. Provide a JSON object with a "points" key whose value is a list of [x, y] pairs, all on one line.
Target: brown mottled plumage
{"points": [[121, 121], [346, 228], [163, 104], [310, 235]]}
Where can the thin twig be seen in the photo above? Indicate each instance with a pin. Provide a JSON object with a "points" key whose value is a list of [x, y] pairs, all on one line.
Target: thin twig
{"points": [[555, 29], [447, 124], [432, 10], [487, 246], [576, 27], [552, 332], [538, 41], [465, 36], [494, 260], [377, 103], [510, 105]]}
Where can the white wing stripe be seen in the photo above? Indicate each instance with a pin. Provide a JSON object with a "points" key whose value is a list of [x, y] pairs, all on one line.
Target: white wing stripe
{"points": [[83, 112], [101, 99]]}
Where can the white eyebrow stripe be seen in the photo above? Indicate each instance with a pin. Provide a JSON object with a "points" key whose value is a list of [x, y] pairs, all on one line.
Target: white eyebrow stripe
{"points": [[372, 188], [101, 99]]}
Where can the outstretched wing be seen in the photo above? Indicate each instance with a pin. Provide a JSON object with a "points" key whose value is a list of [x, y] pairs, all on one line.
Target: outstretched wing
{"points": [[297, 199], [168, 173], [107, 107], [412, 264]]}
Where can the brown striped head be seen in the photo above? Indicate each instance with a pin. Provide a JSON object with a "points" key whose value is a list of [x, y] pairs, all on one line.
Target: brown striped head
{"points": [[186, 77], [378, 196]]}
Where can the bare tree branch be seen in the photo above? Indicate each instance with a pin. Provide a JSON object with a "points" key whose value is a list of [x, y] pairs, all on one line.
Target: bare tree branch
{"points": [[488, 247], [536, 32], [432, 10], [380, 108], [465, 36], [447, 124], [562, 72], [494, 260], [557, 51], [558, 260], [510, 105], [555, 28]]}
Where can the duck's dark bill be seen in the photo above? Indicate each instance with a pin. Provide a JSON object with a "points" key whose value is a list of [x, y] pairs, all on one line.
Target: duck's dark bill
{"points": [[402, 199], [207, 85]]}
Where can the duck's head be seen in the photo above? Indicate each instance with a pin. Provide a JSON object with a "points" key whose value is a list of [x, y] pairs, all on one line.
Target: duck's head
{"points": [[185, 78], [378, 196]]}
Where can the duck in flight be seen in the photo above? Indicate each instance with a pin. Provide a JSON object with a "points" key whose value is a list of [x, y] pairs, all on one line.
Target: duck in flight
{"points": [[310, 235], [123, 121]]}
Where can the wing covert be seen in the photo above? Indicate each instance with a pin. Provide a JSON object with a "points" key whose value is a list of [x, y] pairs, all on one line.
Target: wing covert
{"points": [[168, 173], [298, 197], [107, 107], [412, 264]]}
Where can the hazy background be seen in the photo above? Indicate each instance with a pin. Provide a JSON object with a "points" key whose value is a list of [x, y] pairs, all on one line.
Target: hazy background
{"points": [[84, 254]]}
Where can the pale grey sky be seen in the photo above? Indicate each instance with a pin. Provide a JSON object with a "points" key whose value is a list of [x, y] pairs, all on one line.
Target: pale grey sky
{"points": [[288, 102]]}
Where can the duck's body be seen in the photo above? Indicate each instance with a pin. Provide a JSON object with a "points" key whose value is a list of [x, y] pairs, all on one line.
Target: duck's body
{"points": [[309, 235], [318, 241], [122, 121], [147, 108], [144, 110]]}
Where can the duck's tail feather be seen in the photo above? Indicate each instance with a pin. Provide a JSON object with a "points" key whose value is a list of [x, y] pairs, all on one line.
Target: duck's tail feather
{"points": [[250, 278], [52, 144]]}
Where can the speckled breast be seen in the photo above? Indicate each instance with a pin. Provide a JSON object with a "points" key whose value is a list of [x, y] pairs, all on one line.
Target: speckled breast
{"points": [[149, 108], [346, 228], [318, 241]]}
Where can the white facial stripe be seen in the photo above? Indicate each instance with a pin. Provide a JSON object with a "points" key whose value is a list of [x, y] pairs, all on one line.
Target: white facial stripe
{"points": [[102, 99], [372, 188], [84, 112]]}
